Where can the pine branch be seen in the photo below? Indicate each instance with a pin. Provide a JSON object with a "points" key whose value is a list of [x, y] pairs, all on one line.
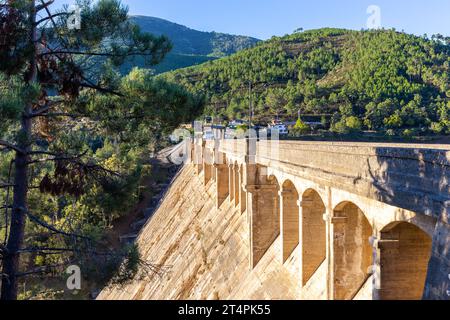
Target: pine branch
{"points": [[98, 88], [98, 54], [49, 14], [150, 268], [56, 114], [56, 157], [41, 270], [51, 17], [46, 250], [52, 228], [55, 154], [45, 109], [44, 5], [54, 251], [4, 186], [11, 146]]}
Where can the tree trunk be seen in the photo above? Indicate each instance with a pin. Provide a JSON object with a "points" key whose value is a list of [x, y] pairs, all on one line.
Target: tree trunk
{"points": [[18, 217], [11, 261]]}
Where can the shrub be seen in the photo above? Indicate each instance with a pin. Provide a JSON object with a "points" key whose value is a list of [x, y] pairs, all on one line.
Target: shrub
{"points": [[394, 121], [407, 133], [347, 125], [390, 132], [353, 123], [340, 128], [301, 127], [437, 127]]}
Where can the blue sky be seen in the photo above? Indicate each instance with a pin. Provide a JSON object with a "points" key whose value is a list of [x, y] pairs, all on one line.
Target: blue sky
{"points": [[265, 18]]}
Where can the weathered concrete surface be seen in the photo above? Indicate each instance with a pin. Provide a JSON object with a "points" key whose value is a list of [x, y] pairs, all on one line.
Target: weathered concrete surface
{"points": [[409, 177], [438, 279], [313, 234], [404, 277], [207, 249], [360, 207], [413, 177], [351, 250]]}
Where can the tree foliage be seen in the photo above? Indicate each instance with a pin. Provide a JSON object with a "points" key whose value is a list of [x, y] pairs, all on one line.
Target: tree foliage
{"points": [[390, 80], [75, 135]]}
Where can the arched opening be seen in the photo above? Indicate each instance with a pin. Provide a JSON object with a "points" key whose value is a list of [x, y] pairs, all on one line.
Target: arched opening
{"points": [[404, 252], [265, 217], [290, 219], [236, 184], [351, 250], [314, 234]]}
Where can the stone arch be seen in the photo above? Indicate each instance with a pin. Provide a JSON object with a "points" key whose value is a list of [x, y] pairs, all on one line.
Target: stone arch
{"points": [[313, 233], [352, 252], [275, 175], [265, 215], [289, 218], [404, 251], [271, 180]]}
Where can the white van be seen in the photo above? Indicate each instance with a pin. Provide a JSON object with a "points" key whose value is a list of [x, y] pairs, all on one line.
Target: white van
{"points": [[281, 128]]}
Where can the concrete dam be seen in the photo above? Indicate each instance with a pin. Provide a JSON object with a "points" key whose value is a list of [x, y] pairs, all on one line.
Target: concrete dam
{"points": [[262, 219]]}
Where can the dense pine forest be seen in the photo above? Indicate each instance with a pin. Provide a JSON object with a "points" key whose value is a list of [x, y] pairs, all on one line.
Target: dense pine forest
{"points": [[380, 80]]}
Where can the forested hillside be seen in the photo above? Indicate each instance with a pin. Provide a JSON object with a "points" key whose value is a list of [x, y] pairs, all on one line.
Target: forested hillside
{"points": [[190, 47], [379, 80]]}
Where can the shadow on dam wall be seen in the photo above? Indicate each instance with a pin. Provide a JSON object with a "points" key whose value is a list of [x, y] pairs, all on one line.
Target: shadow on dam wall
{"points": [[418, 180]]}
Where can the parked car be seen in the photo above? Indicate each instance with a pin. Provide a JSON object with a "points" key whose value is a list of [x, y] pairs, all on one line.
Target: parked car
{"points": [[280, 127], [236, 123]]}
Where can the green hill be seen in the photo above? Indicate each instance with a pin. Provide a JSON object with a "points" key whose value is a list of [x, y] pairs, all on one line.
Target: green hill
{"points": [[190, 47], [380, 80]]}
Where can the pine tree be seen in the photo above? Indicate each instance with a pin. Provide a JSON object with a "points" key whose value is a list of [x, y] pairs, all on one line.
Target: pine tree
{"points": [[52, 75]]}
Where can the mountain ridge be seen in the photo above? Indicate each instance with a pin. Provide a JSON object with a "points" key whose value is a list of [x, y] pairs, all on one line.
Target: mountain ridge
{"points": [[190, 46], [378, 80]]}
